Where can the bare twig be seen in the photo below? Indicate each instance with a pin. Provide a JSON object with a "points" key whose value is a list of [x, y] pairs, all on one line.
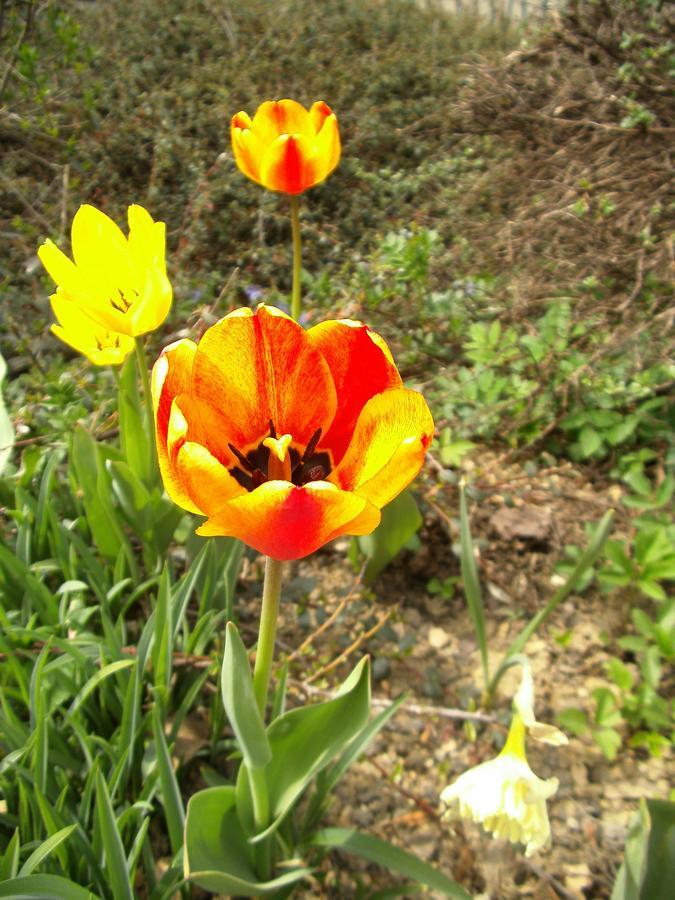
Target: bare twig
{"points": [[361, 639]]}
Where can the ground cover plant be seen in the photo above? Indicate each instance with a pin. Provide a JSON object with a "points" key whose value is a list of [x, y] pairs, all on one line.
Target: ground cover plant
{"points": [[508, 232]]}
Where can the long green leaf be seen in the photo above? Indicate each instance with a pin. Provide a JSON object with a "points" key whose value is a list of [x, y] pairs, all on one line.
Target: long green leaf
{"points": [[115, 857], [45, 848], [471, 582], [44, 887], [240, 703], [171, 798], [96, 679], [392, 858]]}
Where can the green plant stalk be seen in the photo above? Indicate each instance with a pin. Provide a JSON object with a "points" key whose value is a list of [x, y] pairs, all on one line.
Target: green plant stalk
{"points": [[267, 631], [261, 817], [297, 257], [142, 362], [471, 582], [587, 559]]}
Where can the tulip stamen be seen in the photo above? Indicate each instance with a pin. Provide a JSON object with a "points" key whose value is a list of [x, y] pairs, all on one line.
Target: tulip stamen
{"points": [[247, 464], [273, 432]]}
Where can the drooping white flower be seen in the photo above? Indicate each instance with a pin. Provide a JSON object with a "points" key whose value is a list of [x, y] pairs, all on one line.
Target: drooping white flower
{"points": [[505, 796]]}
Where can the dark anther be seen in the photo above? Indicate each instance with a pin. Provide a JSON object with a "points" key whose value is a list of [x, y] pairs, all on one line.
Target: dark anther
{"points": [[273, 433], [316, 473], [258, 478], [311, 447], [242, 459]]}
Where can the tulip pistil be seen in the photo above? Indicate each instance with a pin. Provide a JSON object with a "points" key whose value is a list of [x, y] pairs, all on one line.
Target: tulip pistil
{"points": [[274, 459]]}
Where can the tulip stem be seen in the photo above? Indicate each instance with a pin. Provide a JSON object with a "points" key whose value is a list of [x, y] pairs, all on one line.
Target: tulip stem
{"points": [[297, 257], [267, 632], [142, 363]]}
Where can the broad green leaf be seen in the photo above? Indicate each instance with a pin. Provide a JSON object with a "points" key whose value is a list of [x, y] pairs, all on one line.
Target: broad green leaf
{"points": [[218, 856], [115, 858], [573, 720], [608, 740], [44, 887], [6, 427], [329, 778], [401, 519], [648, 868], [391, 858], [589, 441], [305, 740], [240, 703]]}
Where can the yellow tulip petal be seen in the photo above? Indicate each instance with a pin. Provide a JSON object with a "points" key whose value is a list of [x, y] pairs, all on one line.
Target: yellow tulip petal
{"points": [[101, 250], [152, 305], [248, 151], [289, 165], [318, 114], [328, 148], [171, 377], [86, 335], [146, 241], [384, 454], [62, 269], [206, 481], [277, 117]]}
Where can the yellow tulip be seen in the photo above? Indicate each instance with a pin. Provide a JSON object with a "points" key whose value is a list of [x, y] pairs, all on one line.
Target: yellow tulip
{"points": [[285, 147], [115, 289]]}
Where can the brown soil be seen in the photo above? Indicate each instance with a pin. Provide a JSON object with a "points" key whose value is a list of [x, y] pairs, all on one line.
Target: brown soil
{"points": [[427, 648]]}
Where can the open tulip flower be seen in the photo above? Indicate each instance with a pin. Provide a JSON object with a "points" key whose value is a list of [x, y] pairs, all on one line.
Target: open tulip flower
{"points": [[282, 437], [115, 289], [286, 148]]}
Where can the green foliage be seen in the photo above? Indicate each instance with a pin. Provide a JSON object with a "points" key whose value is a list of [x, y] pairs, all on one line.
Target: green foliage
{"points": [[648, 866], [6, 429], [401, 520]]}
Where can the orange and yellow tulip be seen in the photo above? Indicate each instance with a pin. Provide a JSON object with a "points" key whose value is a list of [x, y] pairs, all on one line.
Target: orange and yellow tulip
{"points": [[282, 437], [286, 148], [115, 289]]}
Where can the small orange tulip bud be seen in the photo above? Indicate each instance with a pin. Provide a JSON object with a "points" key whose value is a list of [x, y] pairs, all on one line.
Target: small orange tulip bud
{"points": [[286, 148]]}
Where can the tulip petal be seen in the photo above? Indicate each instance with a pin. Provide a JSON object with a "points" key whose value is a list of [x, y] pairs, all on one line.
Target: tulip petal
{"points": [[62, 269], [171, 377], [205, 480], [318, 114], [260, 368], [387, 448], [151, 306], [276, 117], [288, 522], [360, 370], [86, 335], [146, 242], [290, 165], [328, 148], [101, 251], [248, 152]]}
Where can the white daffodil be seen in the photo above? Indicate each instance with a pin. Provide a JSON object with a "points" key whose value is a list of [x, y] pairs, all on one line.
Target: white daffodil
{"points": [[505, 796]]}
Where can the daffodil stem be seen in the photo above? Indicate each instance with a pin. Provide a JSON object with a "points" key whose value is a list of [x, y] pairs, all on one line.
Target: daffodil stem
{"points": [[267, 631], [142, 363], [297, 257]]}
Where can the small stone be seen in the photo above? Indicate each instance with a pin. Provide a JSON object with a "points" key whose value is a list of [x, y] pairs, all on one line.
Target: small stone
{"points": [[438, 638], [526, 523]]}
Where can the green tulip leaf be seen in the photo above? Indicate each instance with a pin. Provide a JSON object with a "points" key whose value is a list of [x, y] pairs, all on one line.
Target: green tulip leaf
{"points": [[240, 703], [44, 887], [218, 855]]}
